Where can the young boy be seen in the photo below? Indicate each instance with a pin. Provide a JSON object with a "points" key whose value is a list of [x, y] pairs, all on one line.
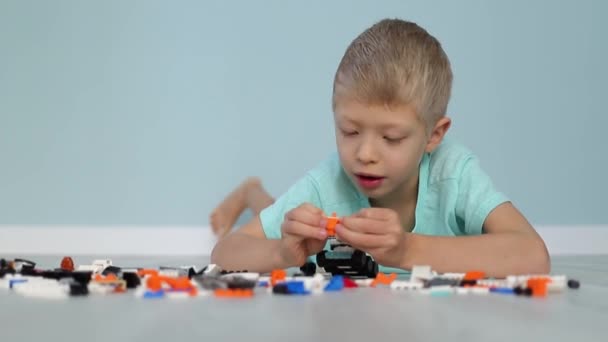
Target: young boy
{"points": [[405, 196]]}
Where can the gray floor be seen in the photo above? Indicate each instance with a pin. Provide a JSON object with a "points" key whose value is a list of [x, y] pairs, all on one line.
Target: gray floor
{"points": [[361, 314]]}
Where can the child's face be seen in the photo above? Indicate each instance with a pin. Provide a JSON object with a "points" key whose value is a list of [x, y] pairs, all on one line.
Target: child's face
{"points": [[380, 148]]}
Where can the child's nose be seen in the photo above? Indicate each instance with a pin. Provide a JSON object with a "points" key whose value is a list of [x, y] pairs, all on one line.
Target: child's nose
{"points": [[366, 153]]}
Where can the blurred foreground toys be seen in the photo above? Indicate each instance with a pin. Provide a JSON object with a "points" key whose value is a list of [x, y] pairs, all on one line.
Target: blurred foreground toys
{"points": [[101, 277]]}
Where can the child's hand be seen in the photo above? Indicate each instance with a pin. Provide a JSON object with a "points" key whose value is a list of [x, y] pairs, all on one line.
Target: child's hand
{"points": [[376, 231], [302, 234]]}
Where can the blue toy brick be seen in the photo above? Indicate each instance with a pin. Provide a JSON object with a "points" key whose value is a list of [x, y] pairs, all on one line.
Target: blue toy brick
{"points": [[16, 281], [336, 283], [154, 294], [296, 287], [503, 290]]}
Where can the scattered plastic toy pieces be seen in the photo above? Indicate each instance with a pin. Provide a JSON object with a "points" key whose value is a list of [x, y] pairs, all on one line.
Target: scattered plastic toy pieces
{"points": [[102, 278]]}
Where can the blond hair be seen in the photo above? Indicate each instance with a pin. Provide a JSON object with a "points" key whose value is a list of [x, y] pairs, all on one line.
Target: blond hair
{"points": [[393, 63]]}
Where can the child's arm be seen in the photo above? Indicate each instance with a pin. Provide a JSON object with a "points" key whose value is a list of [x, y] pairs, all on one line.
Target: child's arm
{"points": [[510, 245], [248, 249], [302, 234]]}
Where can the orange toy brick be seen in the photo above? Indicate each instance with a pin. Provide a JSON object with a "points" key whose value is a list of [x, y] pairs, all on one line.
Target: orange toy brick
{"points": [[67, 264], [538, 286], [474, 275], [383, 279], [234, 293], [120, 285], [180, 284], [154, 283], [277, 276], [110, 278], [332, 222]]}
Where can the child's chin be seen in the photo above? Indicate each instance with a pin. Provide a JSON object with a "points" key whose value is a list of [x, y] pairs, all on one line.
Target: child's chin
{"points": [[376, 193]]}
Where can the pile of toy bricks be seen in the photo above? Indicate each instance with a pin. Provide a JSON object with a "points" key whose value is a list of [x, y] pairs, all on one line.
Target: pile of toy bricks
{"points": [[102, 277]]}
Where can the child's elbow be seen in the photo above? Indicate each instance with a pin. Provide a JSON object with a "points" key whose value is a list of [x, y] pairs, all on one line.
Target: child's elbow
{"points": [[213, 258], [542, 260], [216, 254]]}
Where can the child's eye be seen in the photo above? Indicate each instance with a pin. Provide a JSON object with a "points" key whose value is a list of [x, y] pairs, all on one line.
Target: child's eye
{"points": [[349, 133], [394, 140]]}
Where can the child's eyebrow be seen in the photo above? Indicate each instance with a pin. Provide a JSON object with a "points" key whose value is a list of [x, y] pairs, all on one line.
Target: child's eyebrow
{"points": [[343, 119], [387, 126], [400, 128]]}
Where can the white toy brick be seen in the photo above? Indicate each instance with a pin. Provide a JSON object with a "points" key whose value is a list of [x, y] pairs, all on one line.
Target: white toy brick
{"points": [[406, 285], [480, 290], [43, 288], [463, 290], [364, 282], [252, 276], [420, 273], [455, 276], [96, 267], [212, 270]]}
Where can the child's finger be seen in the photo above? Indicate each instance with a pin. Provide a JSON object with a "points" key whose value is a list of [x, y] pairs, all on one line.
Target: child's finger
{"points": [[364, 225], [302, 230], [311, 218], [359, 240], [380, 214]]}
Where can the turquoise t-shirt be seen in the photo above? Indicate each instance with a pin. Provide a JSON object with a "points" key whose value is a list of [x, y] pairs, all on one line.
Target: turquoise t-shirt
{"points": [[454, 195]]}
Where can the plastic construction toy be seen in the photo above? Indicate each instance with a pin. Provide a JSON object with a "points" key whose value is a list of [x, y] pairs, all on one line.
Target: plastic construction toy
{"points": [[20, 276], [213, 278], [342, 259], [309, 269], [233, 293], [277, 276], [332, 222], [383, 279], [98, 266], [291, 288], [182, 271], [67, 264], [107, 284]]}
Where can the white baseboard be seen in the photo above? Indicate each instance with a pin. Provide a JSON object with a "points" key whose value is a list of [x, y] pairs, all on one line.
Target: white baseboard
{"points": [[106, 240], [199, 240], [575, 240]]}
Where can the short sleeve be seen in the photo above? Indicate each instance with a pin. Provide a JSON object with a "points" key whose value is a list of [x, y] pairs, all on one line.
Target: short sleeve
{"points": [[304, 190], [477, 197]]}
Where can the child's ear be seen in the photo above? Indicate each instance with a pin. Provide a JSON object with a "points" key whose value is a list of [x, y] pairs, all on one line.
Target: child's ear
{"points": [[441, 128]]}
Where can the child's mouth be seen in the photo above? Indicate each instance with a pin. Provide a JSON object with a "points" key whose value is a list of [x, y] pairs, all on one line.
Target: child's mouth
{"points": [[369, 181]]}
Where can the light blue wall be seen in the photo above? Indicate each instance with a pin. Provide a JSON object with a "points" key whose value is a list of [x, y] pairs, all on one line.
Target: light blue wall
{"points": [[149, 112]]}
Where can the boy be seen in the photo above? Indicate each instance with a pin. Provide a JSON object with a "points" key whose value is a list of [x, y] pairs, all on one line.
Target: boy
{"points": [[405, 196]]}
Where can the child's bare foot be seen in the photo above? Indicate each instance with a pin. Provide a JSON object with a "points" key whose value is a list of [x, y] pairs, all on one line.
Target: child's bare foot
{"points": [[225, 215]]}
